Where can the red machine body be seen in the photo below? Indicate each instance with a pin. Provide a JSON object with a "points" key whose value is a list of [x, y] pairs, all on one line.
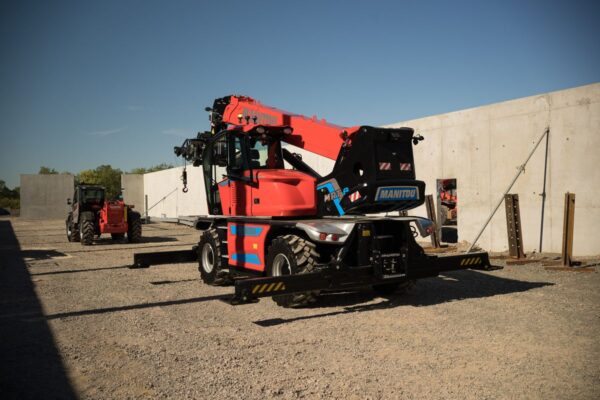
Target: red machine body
{"points": [[277, 193], [113, 217], [245, 245]]}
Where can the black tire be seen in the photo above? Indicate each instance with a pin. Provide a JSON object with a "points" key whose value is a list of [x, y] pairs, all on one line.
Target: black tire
{"points": [[86, 229], [134, 230], [210, 263], [72, 233], [117, 236], [292, 255], [394, 289]]}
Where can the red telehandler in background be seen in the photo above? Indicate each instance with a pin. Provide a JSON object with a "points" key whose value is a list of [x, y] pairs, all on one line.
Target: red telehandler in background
{"points": [[278, 228], [92, 215]]}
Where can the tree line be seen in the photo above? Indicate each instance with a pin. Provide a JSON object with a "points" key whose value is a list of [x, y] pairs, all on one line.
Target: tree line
{"points": [[103, 175]]}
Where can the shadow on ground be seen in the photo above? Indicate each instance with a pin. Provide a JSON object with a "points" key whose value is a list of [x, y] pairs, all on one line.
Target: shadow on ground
{"points": [[31, 366], [38, 255], [145, 239], [452, 286]]}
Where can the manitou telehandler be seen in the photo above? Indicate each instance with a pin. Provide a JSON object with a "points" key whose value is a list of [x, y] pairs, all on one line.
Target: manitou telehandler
{"points": [[278, 228], [92, 215]]}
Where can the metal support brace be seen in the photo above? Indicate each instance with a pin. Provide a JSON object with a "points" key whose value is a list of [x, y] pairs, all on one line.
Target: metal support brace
{"points": [[521, 169]]}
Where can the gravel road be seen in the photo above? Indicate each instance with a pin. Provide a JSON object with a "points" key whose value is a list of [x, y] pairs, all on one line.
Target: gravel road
{"points": [[75, 322]]}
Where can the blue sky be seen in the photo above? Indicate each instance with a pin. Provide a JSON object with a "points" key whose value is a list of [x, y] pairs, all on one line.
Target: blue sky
{"points": [[84, 83]]}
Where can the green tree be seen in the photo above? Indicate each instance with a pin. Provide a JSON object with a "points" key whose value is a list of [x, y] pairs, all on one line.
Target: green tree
{"points": [[158, 167], [104, 175], [47, 171], [9, 198]]}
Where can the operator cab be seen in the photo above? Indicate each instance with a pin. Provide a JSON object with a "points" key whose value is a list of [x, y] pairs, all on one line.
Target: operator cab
{"points": [[88, 197], [244, 174]]}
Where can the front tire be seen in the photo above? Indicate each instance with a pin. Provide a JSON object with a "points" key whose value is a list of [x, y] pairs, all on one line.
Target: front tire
{"points": [[72, 233], [292, 255], [211, 264], [134, 230]]}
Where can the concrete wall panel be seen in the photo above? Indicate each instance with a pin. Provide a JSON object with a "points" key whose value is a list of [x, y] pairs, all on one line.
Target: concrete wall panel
{"points": [[165, 196], [133, 190], [482, 147], [45, 196]]}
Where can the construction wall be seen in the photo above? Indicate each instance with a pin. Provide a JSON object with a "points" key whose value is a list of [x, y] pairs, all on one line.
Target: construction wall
{"points": [[482, 148], [45, 196], [165, 196], [133, 190]]}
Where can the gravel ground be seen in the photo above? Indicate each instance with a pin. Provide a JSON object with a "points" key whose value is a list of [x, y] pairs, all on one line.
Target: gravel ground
{"points": [[75, 322]]}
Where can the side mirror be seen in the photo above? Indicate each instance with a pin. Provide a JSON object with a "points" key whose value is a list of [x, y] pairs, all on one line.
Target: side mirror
{"points": [[68, 201]]}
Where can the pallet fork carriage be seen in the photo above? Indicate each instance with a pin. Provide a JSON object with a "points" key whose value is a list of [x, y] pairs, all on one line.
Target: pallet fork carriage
{"points": [[279, 229]]}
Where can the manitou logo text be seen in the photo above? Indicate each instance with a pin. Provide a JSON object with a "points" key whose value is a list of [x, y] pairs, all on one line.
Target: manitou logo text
{"points": [[395, 193]]}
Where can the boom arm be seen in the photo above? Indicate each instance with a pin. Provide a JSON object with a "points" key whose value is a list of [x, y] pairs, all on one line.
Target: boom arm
{"points": [[317, 136]]}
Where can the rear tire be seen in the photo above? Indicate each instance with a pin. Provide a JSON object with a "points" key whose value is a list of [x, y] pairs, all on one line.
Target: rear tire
{"points": [[134, 231], [210, 262], [292, 255], [87, 232]]}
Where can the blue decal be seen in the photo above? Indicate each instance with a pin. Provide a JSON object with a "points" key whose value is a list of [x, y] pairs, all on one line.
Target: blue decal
{"points": [[224, 183], [246, 258], [397, 193], [336, 200], [242, 230]]}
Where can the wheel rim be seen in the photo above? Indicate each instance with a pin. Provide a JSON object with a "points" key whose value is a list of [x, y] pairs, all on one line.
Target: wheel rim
{"points": [[281, 265], [208, 258]]}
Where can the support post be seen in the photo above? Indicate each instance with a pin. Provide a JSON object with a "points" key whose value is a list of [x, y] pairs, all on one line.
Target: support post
{"points": [[435, 239], [146, 207], [513, 226], [568, 226]]}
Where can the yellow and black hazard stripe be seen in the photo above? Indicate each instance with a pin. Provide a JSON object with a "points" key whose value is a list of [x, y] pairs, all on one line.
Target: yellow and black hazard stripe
{"points": [[467, 262], [268, 287]]}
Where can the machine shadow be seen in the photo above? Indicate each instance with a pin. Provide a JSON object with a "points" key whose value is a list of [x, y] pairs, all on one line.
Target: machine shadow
{"points": [[31, 366], [97, 311], [38, 255], [144, 239], [451, 286]]}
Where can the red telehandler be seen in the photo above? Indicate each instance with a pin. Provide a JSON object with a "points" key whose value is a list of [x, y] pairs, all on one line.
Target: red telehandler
{"points": [[289, 233], [92, 215]]}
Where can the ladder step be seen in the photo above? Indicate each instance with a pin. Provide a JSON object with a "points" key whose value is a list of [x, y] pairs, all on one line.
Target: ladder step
{"points": [[383, 237]]}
